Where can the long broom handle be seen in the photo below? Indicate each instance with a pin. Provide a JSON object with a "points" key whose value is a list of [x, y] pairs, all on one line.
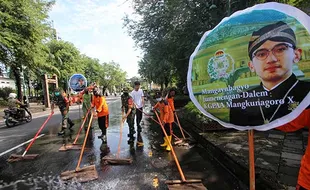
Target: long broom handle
{"points": [[77, 136], [39, 131], [84, 143], [120, 137], [148, 115], [176, 116], [184, 130], [157, 122], [172, 150]]}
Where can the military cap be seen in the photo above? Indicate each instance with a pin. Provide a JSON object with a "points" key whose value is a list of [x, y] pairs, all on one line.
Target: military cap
{"points": [[277, 32]]}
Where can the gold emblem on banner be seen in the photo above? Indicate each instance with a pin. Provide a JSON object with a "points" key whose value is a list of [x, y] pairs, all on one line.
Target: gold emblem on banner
{"points": [[293, 106]]}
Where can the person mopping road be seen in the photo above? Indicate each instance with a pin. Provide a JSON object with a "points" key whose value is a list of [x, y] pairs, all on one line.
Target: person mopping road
{"points": [[60, 99], [129, 111], [102, 109], [86, 105], [138, 98]]}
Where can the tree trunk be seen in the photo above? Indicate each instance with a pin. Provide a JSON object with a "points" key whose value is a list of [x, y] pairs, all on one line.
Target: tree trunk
{"points": [[65, 87], [161, 86], [29, 89], [18, 84], [166, 83], [103, 90]]}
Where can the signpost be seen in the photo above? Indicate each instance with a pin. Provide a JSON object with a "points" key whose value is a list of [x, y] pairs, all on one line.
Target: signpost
{"points": [[247, 72]]}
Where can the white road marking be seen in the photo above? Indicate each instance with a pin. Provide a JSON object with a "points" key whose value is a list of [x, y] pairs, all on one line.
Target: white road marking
{"points": [[7, 151]]}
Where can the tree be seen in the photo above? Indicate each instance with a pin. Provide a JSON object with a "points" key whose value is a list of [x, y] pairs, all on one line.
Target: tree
{"points": [[23, 27], [94, 68], [66, 58], [111, 75], [168, 31]]}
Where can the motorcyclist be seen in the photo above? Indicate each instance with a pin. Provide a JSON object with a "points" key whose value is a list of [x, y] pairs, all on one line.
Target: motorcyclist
{"points": [[14, 104]]}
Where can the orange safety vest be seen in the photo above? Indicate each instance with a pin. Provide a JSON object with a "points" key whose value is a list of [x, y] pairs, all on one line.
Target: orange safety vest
{"points": [[300, 122], [101, 105], [168, 117], [171, 103], [161, 107]]}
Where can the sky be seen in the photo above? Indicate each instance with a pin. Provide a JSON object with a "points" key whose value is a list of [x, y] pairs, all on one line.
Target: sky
{"points": [[95, 27]]}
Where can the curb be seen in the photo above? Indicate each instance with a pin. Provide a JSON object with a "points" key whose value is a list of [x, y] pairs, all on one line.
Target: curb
{"points": [[241, 172]]}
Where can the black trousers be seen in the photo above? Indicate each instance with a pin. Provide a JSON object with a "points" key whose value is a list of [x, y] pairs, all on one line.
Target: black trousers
{"points": [[167, 129], [139, 118], [299, 187], [103, 123]]}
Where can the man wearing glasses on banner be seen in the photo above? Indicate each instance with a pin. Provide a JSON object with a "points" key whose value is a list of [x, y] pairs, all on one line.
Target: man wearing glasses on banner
{"points": [[272, 51]]}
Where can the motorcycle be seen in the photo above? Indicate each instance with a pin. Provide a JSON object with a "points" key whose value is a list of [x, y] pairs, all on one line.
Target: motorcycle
{"points": [[16, 116]]}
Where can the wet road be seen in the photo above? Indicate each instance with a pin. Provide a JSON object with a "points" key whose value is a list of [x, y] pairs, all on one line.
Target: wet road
{"points": [[148, 161]]}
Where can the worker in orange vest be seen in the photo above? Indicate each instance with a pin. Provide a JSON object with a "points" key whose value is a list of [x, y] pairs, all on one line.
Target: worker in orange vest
{"points": [[170, 98], [102, 110], [167, 118], [160, 106], [300, 122], [168, 121]]}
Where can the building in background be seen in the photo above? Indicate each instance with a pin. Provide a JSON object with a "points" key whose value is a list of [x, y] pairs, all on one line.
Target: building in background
{"points": [[5, 80]]}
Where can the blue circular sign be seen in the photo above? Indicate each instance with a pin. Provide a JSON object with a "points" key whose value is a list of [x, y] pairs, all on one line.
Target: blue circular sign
{"points": [[77, 82]]}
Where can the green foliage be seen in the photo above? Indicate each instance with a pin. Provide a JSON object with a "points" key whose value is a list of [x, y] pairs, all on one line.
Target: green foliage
{"points": [[4, 92], [192, 112], [111, 75], [4, 103], [23, 27], [65, 57], [181, 98], [94, 68], [168, 32]]}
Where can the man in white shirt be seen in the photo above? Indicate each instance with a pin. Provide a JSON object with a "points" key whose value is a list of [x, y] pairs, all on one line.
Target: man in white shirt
{"points": [[138, 98]]}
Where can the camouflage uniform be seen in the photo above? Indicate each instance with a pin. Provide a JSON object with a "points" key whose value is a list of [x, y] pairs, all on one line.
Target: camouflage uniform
{"points": [[87, 99], [127, 102], [62, 102]]}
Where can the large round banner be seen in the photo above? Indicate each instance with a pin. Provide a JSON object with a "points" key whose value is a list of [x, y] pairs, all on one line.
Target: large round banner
{"points": [[252, 71], [77, 82]]}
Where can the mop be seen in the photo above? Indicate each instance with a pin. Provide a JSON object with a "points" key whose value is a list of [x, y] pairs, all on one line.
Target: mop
{"points": [[87, 173], [178, 141], [76, 146], [183, 183], [117, 160], [16, 157]]}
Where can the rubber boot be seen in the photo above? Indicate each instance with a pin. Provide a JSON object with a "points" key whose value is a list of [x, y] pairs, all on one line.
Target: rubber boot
{"points": [[165, 143], [168, 148]]}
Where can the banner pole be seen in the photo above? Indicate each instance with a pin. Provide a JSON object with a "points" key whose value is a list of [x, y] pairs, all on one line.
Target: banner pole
{"points": [[251, 159]]}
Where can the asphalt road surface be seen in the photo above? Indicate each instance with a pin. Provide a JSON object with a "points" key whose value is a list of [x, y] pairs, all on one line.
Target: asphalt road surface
{"points": [[148, 161]]}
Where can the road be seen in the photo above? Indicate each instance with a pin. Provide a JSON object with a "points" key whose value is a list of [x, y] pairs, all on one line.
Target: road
{"points": [[148, 161]]}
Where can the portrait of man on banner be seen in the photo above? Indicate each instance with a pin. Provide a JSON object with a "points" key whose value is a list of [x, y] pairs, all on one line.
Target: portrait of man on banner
{"points": [[252, 71], [273, 51]]}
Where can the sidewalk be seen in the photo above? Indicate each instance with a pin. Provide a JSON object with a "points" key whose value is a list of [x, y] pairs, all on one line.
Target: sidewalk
{"points": [[37, 110], [33, 107], [277, 154]]}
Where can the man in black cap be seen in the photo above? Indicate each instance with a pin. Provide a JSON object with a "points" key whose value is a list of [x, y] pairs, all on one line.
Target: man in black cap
{"points": [[128, 114], [272, 51], [60, 99]]}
